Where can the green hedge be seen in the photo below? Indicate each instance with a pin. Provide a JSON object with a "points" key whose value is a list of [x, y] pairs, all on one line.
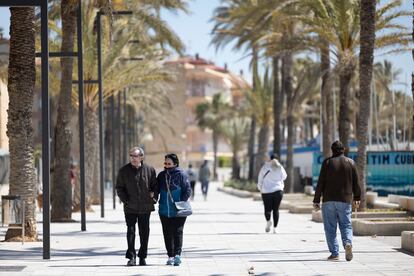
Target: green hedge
{"points": [[242, 184]]}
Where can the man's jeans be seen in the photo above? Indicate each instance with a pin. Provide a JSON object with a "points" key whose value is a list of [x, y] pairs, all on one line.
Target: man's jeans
{"points": [[333, 213], [204, 187]]}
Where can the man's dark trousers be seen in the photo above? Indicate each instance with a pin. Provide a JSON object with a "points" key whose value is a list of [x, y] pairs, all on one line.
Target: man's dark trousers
{"points": [[144, 230]]}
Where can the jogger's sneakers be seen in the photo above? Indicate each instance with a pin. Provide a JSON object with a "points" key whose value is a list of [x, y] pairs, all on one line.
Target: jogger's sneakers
{"points": [[170, 261], [348, 252], [268, 225], [333, 258], [274, 230], [177, 260]]}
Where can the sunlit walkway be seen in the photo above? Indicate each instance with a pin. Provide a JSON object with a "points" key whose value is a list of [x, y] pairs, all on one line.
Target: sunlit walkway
{"points": [[225, 236]]}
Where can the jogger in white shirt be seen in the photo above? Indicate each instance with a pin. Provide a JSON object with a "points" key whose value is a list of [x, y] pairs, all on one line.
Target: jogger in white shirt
{"points": [[270, 184]]}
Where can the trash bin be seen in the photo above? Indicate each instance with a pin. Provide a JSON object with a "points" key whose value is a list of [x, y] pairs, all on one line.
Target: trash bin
{"points": [[12, 212]]}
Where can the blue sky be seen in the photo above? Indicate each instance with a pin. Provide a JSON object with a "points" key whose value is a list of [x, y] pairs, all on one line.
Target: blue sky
{"points": [[194, 30]]}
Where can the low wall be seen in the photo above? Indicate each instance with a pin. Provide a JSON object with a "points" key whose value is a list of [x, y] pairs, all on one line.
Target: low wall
{"points": [[407, 240], [383, 227]]}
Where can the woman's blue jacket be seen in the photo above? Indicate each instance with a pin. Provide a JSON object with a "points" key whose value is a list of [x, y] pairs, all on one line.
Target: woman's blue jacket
{"points": [[179, 185]]}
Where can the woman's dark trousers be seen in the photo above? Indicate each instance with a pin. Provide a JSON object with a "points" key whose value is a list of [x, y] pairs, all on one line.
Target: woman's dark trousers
{"points": [[172, 228], [144, 230], [272, 203]]}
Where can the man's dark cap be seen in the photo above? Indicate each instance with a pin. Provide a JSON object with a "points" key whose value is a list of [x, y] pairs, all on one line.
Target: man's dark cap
{"points": [[337, 147]]}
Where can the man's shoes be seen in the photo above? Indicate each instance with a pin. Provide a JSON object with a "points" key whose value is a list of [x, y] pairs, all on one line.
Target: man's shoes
{"points": [[333, 258], [348, 252], [274, 230], [170, 261], [268, 224], [177, 260], [132, 262], [142, 261]]}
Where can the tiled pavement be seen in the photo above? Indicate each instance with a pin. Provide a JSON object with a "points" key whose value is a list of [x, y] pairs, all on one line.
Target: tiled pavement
{"points": [[225, 236]]}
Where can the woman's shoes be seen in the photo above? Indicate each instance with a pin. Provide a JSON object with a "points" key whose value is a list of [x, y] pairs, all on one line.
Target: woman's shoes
{"points": [[177, 260], [170, 261]]}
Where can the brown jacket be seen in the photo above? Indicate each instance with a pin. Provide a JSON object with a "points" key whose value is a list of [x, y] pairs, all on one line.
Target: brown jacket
{"points": [[338, 180], [133, 187]]}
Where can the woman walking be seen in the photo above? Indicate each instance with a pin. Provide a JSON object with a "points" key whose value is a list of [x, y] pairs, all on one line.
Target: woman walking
{"points": [[270, 184], [173, 186]]}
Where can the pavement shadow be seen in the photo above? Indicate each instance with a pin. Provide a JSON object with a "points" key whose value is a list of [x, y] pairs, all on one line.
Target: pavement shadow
{"points": [[37, 253], [409, 253], [288, 261], [103, 265]]}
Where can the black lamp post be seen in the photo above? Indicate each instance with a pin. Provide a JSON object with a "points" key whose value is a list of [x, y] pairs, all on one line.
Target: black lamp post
{"points": [[100, 94]]}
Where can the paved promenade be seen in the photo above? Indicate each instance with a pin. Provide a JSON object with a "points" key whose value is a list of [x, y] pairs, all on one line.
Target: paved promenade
{"points": [[225, 236]]}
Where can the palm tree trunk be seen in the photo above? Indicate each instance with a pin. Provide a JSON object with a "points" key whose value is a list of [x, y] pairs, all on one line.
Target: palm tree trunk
{"points": [[93, 158], [344, 124], [326, 99], [262, 150], [21, 82], [288, 90], [91, 153], [277, 108], [252, 135], [96, 187], [289, 156], [235, 165], [215, 149], [366, 59], [62, 190]]}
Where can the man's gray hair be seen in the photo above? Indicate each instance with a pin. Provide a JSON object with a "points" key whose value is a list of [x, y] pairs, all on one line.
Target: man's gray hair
{"points": [[134, 149]]}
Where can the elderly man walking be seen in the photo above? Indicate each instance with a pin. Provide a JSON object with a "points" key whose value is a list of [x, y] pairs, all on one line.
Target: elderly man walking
{"points": [[136, 186], [338, 185]]}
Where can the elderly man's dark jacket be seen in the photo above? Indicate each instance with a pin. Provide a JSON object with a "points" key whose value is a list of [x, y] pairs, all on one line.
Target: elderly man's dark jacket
{"points": [[133, 187], [338, 180]]}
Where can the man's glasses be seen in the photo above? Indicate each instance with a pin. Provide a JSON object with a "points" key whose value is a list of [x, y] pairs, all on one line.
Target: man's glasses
{"points": [[168, 164], [134, 156]]}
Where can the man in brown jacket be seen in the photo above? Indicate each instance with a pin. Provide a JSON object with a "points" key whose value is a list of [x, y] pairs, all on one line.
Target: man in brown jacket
{"points": [[338, 185], [135, 186]]}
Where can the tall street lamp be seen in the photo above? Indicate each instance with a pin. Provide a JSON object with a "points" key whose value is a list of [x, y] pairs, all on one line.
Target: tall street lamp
{"points": [[100, 94]]}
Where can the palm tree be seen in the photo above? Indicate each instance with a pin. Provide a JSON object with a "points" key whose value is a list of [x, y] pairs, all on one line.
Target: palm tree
{"points": [[305, 80], [277, 106], [260, 104], [326, 100], [366, 59], [230, 25], [211, 115], [21, 82], [62, 188], [385, 75], [236, 132], [277, 31]]}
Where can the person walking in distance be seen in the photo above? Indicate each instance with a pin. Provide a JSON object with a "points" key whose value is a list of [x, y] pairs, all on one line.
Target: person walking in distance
{"points": [[192, 177], [173, 186], [204, 178], [338, 185], [136, 186], [270, 184]]}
